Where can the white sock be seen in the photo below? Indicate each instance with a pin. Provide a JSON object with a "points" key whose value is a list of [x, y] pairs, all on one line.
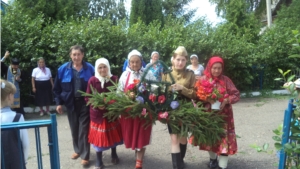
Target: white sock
{"points": [[223, 161], [212, 155]]}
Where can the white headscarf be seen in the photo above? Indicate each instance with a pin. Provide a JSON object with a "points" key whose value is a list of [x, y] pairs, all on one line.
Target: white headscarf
{"points": [[154, 52], [297, 83], [135, 53], [98, 76]]}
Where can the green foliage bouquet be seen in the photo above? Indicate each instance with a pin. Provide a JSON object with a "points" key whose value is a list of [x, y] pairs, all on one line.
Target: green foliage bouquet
{"points": [[151, 100]]}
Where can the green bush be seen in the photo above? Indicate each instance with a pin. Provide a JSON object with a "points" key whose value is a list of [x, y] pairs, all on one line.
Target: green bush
{"points": [[249, 57]]}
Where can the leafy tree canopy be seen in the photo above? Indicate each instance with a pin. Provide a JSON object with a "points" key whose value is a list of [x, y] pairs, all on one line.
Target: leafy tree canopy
{"points": [[222, 9], [54, 9], [145, 10], [178, 9], [111, 9]]}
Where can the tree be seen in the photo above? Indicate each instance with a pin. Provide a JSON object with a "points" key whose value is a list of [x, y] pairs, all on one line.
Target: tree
{"points": [[146, 10], [111, 9], [178, 9], [54, 9], [256, 6]]}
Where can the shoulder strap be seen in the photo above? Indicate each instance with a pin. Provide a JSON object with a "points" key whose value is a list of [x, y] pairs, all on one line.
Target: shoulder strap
{"points": [[17, 117], [126, 84]]}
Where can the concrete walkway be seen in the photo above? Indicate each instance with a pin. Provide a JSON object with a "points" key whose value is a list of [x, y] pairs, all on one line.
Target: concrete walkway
{"points": [[255, 118]]}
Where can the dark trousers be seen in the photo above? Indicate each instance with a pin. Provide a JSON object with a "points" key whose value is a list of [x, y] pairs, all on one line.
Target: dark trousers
{"points": [[79, 120]]}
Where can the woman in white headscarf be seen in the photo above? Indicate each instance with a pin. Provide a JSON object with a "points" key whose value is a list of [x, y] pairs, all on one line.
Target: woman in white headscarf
{"points": [[195, 66], [136, 135], [157, 68], [103, 135]]}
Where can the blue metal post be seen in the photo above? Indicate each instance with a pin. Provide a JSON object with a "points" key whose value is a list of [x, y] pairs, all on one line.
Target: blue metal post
{"points": [[53, 139], [38, 147], [53, 143], [286, 133]]}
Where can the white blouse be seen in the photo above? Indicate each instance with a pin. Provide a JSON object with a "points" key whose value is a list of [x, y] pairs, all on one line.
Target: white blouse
{"points": [[39, 75], [199, 71], [133, 76], [7, 116]]}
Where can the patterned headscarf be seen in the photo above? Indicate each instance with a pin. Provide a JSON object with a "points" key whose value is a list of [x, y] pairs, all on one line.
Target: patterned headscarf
{"points": [[103, 80]]}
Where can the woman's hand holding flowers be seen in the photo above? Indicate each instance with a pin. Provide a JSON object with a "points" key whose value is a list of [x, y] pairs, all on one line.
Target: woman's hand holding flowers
{"points": [[176, 87], [211, 101], [132, 95], [225, 101]]}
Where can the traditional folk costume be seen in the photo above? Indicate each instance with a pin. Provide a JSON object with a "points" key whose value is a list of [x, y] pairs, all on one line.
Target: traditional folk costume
{"points": [[228, 145], [136, 133], [103, 134]]}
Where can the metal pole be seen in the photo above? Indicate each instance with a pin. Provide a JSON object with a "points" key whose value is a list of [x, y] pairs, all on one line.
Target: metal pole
{"points": [[269, 14]]}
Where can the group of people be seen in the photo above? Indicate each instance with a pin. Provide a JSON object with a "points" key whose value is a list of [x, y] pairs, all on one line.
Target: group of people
{"points": [[88, 126], [41, 81]]}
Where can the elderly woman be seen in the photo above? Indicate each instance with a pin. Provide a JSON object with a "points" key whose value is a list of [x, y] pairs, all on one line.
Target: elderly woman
{"points": [[136, 136], [42, 85], [228, 145], [195, 66], [156, 68], [184, 85], [103, 134]]}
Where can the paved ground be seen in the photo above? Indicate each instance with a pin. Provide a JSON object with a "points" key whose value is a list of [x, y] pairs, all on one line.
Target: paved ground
{"points": [[255, 118]]}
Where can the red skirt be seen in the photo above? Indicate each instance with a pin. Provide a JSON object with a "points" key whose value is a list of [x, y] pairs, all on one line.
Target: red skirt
{"points": [[107, 134], [227, 145], [136, 133]]}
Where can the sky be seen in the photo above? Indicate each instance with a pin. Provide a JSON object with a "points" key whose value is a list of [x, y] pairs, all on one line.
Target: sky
{"points": [[204, 8]]}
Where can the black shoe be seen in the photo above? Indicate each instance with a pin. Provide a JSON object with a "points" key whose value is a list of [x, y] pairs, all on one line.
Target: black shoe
{"points": [[213, 164], [115, 160], [177, 161], [221, 168]]}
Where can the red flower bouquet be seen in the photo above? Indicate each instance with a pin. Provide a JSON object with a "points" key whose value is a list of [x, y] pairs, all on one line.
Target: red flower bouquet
{"points": [[208, 89], [132, 89]]}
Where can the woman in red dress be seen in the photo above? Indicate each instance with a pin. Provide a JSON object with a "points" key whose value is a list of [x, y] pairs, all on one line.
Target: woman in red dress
{"points": [[103, 134], [136, 134], [228, 145]]}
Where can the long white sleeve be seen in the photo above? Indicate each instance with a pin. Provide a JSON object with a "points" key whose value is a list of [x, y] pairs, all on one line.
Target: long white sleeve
{"points": [[3, 59]]}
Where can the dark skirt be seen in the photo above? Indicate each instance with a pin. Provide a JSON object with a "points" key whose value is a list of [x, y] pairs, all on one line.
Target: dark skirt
{"points": [[43, 94]]}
